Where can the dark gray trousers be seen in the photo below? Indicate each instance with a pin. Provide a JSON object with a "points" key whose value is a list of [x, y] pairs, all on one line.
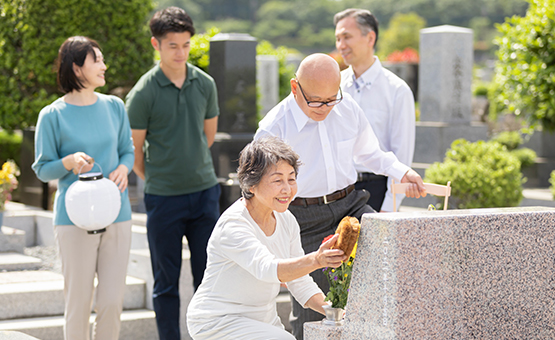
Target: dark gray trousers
{"points": [[317, 222]]}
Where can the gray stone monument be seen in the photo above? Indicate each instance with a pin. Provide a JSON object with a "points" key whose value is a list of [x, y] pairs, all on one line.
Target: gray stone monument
{"points": [[267, 80], [456, 274], [406, 71], [445, 97], [233, 67], [446, 58]]}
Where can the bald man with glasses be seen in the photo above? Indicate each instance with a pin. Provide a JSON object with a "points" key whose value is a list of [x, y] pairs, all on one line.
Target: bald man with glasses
{"points": [[328, 130]]}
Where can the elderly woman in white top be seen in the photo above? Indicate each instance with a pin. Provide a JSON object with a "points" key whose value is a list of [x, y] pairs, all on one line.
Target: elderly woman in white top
{"points": [[255, 247]]}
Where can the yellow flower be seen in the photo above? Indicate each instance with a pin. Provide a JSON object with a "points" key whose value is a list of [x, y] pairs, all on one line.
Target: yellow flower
{"points": [[353, 253]]}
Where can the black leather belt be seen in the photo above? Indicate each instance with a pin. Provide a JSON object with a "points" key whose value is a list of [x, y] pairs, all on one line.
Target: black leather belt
{"points": [[369, 176], [335, 196]]}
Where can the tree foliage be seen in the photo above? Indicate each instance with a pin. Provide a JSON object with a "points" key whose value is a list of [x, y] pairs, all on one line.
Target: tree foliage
{"points": [[403, 32], [31, 32], [199, 55], [286, 71], [308, 24], [524, 81]]}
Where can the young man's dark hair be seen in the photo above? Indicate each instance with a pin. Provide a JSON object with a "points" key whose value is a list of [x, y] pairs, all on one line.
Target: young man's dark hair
{"points": [[171, 19], [366, 21], [73, 51]]}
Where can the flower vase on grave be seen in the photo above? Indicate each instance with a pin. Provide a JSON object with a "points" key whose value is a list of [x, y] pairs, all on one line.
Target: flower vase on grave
{"points": [[334, 316]]}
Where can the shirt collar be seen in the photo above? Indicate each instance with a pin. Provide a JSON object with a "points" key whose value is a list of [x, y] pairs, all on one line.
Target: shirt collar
{"points": [[298, 115], [192, 73], [301, 119], [367, 78]]}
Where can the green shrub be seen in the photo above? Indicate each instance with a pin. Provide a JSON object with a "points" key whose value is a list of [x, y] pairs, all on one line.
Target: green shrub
{"points": [[482, 175], [526, 156], [286, 71], [31, 32], [552, 181], [10, 146], [511, 139], [481, 89], [200, 49], [524, 74]]}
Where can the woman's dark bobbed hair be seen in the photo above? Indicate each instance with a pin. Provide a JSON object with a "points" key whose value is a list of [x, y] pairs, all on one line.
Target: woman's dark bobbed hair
{"points": [[73, 51]]}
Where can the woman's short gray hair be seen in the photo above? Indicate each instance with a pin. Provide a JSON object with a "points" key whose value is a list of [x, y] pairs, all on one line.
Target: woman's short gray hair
{"points": [[258, 156]]}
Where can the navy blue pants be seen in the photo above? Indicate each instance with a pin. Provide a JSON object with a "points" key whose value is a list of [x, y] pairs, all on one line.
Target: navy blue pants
{"points": [[377, 189], [169, 218]]}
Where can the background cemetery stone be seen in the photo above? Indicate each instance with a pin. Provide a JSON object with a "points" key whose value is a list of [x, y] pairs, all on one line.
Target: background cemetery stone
{"points": [[445, 97], [267, 79], [446, 60], [233, 67]]}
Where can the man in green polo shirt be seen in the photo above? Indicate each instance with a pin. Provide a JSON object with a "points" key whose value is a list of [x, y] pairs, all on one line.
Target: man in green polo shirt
{"points": [[173, 111]]}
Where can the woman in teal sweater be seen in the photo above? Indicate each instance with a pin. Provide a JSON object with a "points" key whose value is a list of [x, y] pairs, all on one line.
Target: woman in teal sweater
{"points": [[72, 131]]}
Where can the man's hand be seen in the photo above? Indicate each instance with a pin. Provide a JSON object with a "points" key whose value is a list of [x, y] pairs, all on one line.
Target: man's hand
{"points": [[416, 189]]}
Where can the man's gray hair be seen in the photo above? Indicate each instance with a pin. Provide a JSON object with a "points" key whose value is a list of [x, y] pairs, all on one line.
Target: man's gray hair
{"points": [[366, 21], [258, 156]]}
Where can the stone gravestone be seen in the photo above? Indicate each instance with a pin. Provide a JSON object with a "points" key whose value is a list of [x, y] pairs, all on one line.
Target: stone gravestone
{"points": [[406, 71], [267, 80], [233, 67], [458, 274], [445, 97]]}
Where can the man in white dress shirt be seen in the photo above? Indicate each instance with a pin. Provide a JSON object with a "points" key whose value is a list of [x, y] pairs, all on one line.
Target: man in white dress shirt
{"points": [[327, 129], [387, 101]]}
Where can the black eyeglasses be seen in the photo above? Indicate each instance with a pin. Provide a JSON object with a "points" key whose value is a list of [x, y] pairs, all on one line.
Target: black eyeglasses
{"points": [[316, 104]]}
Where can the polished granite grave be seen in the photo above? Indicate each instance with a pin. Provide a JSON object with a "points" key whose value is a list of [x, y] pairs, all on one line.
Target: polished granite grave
{"points": [[455, 274]]}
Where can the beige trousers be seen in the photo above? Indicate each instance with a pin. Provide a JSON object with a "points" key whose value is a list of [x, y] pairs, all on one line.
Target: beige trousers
{"points": [[84, 255]]}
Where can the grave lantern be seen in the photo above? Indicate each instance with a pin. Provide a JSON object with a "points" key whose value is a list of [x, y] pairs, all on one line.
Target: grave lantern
{"points": [[93, 202]]}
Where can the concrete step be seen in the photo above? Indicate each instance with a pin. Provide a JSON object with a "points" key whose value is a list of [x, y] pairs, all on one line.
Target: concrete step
{"points": [[139, 239], [136, 325], [12, 335], [12, 240], [284, 308], [40, 293], [537, 197], [10, 261]]}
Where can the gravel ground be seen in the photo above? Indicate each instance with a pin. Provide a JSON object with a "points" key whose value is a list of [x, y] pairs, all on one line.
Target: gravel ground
{"points": [[48, 255]]}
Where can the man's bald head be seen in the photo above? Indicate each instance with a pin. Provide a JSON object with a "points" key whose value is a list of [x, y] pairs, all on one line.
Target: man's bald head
{"points": [[319, 68], [318, 81]]}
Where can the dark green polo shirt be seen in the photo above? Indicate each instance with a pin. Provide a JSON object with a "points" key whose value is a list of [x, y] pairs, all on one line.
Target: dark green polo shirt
{"points": [[177, 157]]}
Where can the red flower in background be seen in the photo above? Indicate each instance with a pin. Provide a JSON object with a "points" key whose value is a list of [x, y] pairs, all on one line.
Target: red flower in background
{"points": [[408, 55]]}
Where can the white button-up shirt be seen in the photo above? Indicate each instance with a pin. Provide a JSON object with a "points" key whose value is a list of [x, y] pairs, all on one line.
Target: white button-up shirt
{"points": [[388, 104], [327, 148]]}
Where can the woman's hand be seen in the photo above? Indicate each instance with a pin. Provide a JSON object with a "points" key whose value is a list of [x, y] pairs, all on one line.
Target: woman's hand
{"points": [[119, 176], [327, 257], [78, 162]]}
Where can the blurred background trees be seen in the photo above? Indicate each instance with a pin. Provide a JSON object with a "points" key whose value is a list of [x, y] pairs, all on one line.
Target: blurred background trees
{"points": [[307, 25], [31, 32]]}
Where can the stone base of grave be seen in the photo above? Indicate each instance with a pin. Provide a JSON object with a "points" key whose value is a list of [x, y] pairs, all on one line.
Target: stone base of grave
{"points": [[434, 138], [316, 330]]}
